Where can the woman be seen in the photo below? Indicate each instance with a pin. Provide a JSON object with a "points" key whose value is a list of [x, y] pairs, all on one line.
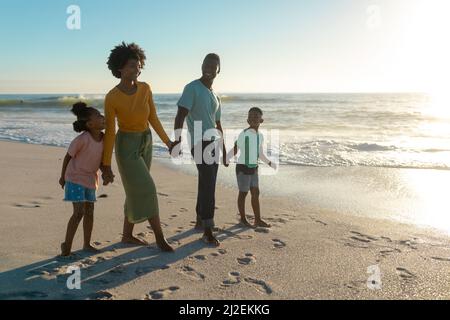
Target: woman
{"points": [[131, 102]]}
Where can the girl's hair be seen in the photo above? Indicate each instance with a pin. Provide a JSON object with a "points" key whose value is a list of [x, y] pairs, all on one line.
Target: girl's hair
{"points": [[83, 113]]}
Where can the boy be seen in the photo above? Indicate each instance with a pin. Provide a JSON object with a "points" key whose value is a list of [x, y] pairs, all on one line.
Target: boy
{"points": [[250, 143]]}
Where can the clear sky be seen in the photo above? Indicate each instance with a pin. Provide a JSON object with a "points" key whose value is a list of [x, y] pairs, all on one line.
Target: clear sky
{"points": [[265, 45]]}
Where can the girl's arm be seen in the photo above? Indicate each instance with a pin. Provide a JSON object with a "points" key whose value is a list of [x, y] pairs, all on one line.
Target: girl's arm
{"points": [[62, 180]]}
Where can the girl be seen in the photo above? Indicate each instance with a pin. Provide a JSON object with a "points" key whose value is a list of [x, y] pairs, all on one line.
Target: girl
{"points": [[79, 175]]}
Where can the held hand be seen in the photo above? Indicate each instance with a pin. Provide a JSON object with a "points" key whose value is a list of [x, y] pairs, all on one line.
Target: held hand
{"points": [[107, 175], [225, 163], [62, 182], [171, 145]]}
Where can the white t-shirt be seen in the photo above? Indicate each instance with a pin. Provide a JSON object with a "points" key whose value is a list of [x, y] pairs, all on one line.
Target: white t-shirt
{"points": [[249, 143]]}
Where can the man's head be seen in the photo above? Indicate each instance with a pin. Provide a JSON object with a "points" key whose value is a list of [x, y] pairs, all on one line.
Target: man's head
{"points": [[211, 66]]}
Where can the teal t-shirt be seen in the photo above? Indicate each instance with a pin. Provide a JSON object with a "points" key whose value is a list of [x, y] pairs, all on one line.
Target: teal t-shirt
{"points": [[203, 105]]}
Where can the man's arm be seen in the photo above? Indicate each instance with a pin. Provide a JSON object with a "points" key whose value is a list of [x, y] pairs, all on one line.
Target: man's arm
{"points": [[224, 150], [178, 125]]}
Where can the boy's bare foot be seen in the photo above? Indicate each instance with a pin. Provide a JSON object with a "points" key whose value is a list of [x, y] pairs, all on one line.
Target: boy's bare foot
{"points": [[164, 245], [260, 223], [90, 248], [134, 240], [246, 223], [210, 240], [65, 251]]}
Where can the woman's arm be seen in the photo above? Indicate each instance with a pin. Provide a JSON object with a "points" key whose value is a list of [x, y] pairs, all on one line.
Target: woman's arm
{"points": [[62, 180], [156, 124]]}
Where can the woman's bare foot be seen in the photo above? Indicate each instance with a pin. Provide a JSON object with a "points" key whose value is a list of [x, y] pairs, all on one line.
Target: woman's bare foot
{"points": [[164, 245], [133, 240], [90, 248], [65, 251], [261, 223]]}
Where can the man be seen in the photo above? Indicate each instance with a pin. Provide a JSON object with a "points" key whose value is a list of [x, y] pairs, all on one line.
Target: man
{"points": [[201, 108]]}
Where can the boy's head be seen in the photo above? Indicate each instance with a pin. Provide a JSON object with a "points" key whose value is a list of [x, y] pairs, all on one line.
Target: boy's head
{"points": [[88, 118], [255, 117]]}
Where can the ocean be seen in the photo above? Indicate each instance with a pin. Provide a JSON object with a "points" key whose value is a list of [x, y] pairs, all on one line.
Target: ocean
{"points": [[319, 130]]}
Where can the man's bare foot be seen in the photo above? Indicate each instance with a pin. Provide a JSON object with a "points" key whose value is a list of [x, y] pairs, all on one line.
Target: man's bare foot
{"points": [[134, 240], [246, 223], [65, 250], [210, 240], [90, 248], [261, 223], [164, 245], [198, 226]]}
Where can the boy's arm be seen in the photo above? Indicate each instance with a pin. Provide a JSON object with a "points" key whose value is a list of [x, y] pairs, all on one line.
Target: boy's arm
{"points": [[66, 160], [232, 153], [264, 158]]}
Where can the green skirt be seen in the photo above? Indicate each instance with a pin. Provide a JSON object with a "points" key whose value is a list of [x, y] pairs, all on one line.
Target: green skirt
{"points": [[134, 158]]}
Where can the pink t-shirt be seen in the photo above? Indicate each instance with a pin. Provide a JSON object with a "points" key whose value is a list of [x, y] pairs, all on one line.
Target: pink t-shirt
{"points": [[86, 156]]}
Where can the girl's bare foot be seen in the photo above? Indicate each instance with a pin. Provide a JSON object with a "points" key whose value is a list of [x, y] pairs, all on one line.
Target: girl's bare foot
{"points": [[246, 223], [133, 240], [65, 251], [90, 248], [260, 223], [164, 245]]}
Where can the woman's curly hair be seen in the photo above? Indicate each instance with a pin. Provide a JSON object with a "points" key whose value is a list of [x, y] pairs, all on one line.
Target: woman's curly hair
{"points": [[121, 54]]}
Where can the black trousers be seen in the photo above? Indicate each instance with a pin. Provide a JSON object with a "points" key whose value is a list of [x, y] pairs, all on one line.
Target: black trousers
{"points": [[207, 178]]}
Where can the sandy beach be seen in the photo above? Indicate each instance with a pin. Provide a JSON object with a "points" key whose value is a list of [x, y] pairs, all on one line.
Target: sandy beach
{"points": [[307, 254]]}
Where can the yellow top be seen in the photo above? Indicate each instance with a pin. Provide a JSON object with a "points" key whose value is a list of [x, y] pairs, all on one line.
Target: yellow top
{"points": [[133, 113]]}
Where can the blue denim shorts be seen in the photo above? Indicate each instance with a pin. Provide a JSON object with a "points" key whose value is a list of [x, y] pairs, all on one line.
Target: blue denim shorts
{"points": [[77, 193]]}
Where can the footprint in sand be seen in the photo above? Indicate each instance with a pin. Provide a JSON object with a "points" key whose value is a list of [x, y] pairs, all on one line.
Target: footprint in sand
{"points": [[247, 260], [23, 295], [233, 279], [144, 270], [441, 259], [103, 196], [192, 273], [173, 216], [318, 221], [30, 205], [405, 274], [219, 252], [120, 269], [260, 285], [200, 257], [162, 194], [278, 244], [101, 295], [183, 210], [278, 220], [161, 293], [408, 243], [262, 230]]}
